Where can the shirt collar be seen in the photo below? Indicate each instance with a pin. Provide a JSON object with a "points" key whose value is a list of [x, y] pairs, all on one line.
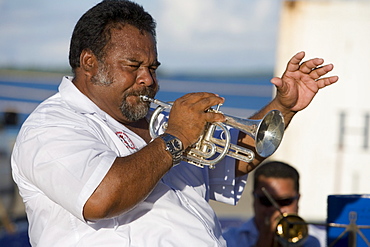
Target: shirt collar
{"points": [[79, 102], [76, 100]]}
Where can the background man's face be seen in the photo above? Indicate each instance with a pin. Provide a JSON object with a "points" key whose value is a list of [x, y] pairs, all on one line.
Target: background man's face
{"points": [[283, 191]]}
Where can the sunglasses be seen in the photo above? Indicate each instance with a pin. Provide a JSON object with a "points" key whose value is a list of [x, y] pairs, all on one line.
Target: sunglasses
{"points": [[281, 202]]}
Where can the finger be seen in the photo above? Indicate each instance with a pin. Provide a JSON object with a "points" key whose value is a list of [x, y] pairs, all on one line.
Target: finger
{"points": [[277, 81], [212, 117], [294, 62], [197, 96], [310, 65], [207, 102], [202, 100], [320, 71], [323, 82]]}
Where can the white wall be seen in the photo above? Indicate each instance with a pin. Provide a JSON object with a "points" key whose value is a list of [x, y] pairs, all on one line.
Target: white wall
{"points": [[339, 32]]}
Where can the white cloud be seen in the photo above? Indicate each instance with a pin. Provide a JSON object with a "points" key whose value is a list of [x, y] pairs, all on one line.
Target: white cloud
{"points": [[206, 22], [215, 34], [36, 33], [192, 34]]}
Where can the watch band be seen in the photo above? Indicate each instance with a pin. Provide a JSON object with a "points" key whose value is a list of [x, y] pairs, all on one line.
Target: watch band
{"points": [[174, 147]]}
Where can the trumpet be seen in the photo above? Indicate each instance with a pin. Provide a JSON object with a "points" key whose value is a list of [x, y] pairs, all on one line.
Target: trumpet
{"points": [[267, 134]]}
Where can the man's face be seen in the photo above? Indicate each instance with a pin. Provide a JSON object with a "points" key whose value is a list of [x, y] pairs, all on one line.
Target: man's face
{"points": [[283, 191], [128, 70]]}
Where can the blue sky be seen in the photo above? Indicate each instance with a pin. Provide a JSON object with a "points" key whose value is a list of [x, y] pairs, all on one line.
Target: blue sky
{"points": [[193, 35]]}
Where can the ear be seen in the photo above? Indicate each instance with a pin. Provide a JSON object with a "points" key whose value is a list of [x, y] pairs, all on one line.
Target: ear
{"points": [[88, 62]]}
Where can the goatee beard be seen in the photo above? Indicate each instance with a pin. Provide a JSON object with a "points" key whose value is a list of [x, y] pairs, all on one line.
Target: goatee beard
{"points": [[137, 111]]}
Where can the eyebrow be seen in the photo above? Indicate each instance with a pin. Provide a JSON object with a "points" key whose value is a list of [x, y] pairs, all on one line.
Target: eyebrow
{"points": [[133, 60]]}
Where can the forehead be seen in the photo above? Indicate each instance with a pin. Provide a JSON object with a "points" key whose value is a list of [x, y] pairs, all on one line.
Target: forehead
{"points": [[129, 39], [276, 186]]}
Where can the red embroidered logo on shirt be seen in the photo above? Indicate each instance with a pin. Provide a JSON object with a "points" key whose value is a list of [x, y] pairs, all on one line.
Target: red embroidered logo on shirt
{"points": [[126, 140]]}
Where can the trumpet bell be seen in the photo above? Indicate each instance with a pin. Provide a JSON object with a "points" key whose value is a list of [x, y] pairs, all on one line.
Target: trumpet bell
{"points": [[267, 132], [270, 133]]}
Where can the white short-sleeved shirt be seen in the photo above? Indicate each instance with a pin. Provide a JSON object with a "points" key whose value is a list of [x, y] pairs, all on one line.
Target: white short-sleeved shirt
{"points": [[247, 235], [62, 153]]}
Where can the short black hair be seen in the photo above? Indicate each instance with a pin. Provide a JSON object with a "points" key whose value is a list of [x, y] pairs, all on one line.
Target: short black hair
{"points": [[92, 30], [276, 169]]}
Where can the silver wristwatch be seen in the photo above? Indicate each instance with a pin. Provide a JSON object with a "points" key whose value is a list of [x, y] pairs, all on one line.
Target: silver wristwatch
{"points": [[174, 146]]}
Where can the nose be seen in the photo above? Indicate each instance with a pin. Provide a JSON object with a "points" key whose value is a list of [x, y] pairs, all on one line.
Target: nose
{"points": [[147, 77]]}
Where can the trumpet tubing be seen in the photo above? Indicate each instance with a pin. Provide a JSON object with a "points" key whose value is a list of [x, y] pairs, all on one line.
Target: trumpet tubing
{"points": [[267, 134]]}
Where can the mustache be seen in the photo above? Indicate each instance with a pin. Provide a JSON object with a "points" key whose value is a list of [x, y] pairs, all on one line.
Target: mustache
{"points": [[150, 92]]}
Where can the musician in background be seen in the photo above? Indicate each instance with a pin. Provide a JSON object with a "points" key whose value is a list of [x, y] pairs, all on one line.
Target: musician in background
{"points": [[282, 182], [86, 166]]}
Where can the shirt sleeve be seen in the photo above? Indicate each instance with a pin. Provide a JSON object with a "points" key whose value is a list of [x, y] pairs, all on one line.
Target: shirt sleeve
{"points": [[65, 163], [245, 235], [224, 186]]}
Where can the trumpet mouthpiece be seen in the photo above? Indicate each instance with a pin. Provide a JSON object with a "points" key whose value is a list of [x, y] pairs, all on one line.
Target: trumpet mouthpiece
{"points": [[145, 98], [155, 101]]}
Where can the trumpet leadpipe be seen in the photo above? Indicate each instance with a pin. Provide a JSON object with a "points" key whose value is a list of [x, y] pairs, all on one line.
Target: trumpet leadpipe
{"points": [[155, 101]]}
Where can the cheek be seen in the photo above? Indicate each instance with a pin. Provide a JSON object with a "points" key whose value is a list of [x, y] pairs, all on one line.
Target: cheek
{"points": [[291, 209], [261, 210], [124, 80], [114, 95]]}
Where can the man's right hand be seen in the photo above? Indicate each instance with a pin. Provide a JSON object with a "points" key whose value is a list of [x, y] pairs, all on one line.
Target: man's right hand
{"points": [[189, 115]]}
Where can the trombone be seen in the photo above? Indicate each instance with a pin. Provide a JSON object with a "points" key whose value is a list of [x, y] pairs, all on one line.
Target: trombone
{"points": [[291, 229]]}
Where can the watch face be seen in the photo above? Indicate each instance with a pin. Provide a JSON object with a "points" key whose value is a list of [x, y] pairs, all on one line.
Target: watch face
{"points": [[174, 146], [177, 145]]}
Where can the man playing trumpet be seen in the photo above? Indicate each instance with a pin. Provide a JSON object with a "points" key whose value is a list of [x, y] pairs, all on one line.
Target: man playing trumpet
{"points": [[86, 166]]}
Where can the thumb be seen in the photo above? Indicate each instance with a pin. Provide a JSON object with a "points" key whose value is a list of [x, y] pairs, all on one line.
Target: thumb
{"points": [[277, 81]]}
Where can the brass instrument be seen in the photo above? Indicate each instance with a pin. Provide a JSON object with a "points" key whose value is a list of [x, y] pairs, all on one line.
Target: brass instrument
{"points": [[267, 134], [291, 230]]}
